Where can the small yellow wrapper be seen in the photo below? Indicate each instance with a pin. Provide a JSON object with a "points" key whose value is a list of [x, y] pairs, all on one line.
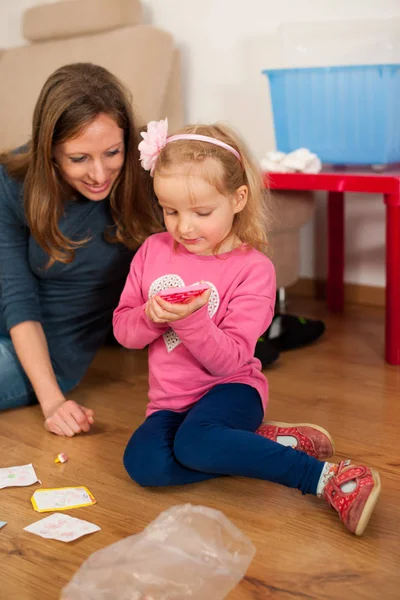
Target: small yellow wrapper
{"points": [[48, 500]]}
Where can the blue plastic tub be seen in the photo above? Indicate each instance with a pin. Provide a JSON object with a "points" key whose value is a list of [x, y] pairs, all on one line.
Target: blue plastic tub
{"points": [[346, 115]]}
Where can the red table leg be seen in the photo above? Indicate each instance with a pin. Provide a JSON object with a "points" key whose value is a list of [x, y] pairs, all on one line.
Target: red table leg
{"points": [[392, 351], [335, 286]]}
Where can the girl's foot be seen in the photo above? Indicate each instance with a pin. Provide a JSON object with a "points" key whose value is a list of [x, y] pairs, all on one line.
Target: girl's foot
{"points": [[353, 492], [311, 439]]}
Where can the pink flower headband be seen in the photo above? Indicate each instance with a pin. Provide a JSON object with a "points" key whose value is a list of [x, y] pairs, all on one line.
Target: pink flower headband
{"points": [[156, 137]]}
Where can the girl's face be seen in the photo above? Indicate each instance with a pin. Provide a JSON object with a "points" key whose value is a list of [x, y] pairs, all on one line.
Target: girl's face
{"points": [[196, 215], [91, 162]]}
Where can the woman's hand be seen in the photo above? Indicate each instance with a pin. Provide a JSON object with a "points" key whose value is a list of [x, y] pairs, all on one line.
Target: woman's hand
{"points": [[161, 311], [62, 417], [68, 418]]}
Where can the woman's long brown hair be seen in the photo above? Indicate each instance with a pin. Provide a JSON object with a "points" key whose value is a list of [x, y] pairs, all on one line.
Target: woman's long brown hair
{"points": [[72, 97]]}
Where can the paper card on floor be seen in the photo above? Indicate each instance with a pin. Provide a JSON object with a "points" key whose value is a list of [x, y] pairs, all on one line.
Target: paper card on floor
{"points": [[62, 527], [2, 523], [17, 476], [47, 500]]}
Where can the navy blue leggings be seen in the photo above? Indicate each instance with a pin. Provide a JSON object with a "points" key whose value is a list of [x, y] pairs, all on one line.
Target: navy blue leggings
{"points": [[215, 437]]}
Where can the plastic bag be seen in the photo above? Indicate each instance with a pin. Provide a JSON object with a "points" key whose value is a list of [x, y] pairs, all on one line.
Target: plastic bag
{"points": [[187, 552]]}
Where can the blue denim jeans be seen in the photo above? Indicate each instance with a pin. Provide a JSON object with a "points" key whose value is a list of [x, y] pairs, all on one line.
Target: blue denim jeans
{"points": [[15, 387]]}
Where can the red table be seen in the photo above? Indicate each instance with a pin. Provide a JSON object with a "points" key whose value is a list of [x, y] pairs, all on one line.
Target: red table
{"points": [[337, 183]]}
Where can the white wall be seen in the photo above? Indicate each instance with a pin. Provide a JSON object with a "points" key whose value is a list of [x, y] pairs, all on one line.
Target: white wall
{"points": [[225, 44], [10, 20]]}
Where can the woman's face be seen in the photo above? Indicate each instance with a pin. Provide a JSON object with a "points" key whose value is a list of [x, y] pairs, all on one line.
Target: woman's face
{"points": [[91, 162]]}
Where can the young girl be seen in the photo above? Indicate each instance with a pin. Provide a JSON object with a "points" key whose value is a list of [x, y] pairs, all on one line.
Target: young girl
{"points": [[207, 394]]}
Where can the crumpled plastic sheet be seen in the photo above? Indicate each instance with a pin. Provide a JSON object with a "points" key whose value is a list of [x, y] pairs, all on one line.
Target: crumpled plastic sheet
{"points": [[187, 552]]}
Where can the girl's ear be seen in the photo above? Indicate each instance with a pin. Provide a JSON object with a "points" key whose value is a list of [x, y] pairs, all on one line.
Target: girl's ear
{"points": [[240, 198]]}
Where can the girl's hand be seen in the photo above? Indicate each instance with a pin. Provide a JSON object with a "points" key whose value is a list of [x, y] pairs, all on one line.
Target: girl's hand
{"points": [[68, 418], [161, 311]]}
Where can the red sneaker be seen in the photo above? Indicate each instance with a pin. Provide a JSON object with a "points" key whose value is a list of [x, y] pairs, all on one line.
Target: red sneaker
{"points": [[311, 439], [354, 508]]}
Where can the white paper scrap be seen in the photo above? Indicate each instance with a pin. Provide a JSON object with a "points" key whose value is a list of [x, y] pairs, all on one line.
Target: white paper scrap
{"points": [[17, 476], [62, 527]]}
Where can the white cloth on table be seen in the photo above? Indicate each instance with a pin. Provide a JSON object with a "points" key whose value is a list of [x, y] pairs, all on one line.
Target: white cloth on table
{"points": [[298, 161]]}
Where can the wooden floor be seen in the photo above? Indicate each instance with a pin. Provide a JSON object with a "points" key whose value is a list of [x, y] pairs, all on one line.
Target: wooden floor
{"points": [[303, 551]]}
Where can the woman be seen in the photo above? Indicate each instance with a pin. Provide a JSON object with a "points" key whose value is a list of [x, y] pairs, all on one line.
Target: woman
{"points": [[73, 208]]}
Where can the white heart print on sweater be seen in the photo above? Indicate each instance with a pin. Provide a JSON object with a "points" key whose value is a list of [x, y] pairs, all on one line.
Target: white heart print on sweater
{"points": [[165, 282]]}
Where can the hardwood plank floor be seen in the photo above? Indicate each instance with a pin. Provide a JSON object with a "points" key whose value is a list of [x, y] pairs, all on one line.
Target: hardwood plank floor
{"points": [[303, 551]]}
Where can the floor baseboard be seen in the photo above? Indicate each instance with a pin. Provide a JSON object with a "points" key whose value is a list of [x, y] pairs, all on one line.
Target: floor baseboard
{"points": [[354, 293]]}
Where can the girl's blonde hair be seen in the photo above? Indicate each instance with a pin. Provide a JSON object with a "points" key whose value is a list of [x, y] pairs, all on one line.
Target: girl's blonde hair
{"points": [[71, 98], [249, 225]]}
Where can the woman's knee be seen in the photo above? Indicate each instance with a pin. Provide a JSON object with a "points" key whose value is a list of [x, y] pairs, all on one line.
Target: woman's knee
{"points": [[15, 388]]}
